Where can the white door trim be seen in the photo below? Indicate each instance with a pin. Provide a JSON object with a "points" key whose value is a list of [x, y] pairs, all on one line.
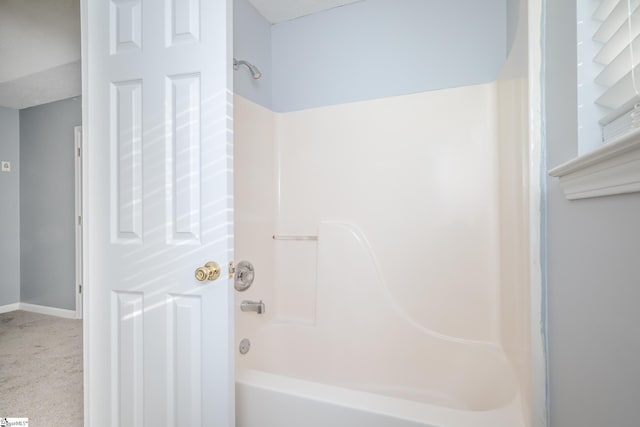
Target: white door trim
{"points": [[77, 133], [540, 409], [84, 42]]}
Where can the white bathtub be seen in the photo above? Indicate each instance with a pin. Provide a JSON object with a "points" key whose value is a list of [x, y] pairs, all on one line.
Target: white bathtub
{"points": [[361, 361], [269, 400]]}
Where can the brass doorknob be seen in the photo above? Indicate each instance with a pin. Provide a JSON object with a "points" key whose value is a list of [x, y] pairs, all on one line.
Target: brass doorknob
{"points": [[210, 271]]}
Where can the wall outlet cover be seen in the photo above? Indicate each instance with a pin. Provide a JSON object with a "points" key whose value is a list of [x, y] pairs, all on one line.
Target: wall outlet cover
{"points": [[6, 166]]}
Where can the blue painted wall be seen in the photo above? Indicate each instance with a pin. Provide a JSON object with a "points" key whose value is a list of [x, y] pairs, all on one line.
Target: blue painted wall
{"points": [[513, 18], [371, 49], [47, 203], [517, 64], [593, 273], [252, 42], [10, 208], [379, 48]]}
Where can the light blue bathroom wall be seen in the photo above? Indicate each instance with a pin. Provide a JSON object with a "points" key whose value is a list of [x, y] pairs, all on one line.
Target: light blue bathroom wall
{"points": [[517, 64], [379, 48], [593, 268], [10, 208], [47, 203], [513, 18], [252, 42]]}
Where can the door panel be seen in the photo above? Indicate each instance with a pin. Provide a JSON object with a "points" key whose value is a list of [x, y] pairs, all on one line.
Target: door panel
{"points": [[160, 204]]}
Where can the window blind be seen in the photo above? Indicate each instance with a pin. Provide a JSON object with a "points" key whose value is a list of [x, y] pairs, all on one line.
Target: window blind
{"points": [[618, 33]]}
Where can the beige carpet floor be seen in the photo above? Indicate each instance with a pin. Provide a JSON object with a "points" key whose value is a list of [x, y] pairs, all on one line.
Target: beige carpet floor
{"points": [[41, 369]]}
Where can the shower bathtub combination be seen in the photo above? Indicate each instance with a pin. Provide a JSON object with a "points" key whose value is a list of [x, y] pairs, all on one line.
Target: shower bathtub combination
{"points": [[363, 362], [391, 240]]}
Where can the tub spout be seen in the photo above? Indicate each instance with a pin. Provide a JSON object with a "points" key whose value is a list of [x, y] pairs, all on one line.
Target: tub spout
{"points": [[258, 307]]}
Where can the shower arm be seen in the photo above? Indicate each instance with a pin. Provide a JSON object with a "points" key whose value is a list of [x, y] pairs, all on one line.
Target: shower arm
{"points": [[255, 72]]}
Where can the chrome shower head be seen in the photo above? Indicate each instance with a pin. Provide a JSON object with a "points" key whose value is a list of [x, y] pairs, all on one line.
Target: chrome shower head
{"points": [[255, 73]]}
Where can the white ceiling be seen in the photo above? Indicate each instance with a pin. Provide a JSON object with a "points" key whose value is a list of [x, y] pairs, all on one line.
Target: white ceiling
{"points": [[39, 51], [52, 84], [276, 11], [40, 45]]}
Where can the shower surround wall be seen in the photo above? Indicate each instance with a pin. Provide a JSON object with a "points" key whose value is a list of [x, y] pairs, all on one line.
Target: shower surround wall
{"points": [[422, 183], [422, 189], [406, 211], [519, 211]]}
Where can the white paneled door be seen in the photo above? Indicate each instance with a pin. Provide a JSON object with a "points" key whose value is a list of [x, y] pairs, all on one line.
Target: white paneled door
{"points": [[158, 144]]}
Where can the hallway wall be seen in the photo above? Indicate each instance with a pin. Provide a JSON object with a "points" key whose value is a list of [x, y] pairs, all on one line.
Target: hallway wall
{"points": [[10, 208], [47, 227]]}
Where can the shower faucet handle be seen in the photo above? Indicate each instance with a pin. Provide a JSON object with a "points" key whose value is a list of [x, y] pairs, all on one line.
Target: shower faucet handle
{"points": [[243, 275]]}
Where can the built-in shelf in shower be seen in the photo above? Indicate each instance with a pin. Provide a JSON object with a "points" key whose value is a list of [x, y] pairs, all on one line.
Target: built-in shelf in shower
{"points": [[292, 237]]}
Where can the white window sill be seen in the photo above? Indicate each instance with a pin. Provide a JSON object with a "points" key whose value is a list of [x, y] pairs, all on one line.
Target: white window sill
{"points": [[611, 169]]}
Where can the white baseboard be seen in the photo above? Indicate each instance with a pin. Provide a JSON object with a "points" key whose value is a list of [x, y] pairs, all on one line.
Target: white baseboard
{"points": [[9, 307], [51, 311]]}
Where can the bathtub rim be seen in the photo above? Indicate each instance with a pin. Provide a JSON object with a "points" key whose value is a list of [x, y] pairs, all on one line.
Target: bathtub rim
{"points": [[406, 410]]}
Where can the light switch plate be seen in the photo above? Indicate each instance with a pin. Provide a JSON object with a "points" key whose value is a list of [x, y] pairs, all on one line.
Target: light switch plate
{"points": [[6, 166]]}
